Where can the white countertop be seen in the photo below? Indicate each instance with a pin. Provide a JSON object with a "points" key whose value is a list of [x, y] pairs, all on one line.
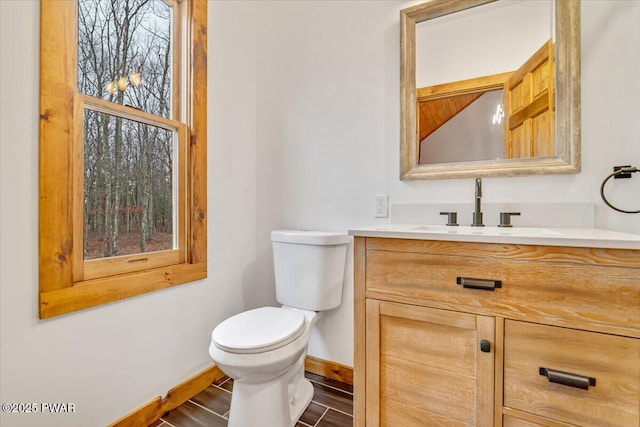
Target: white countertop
{"points": [[576, 237]]}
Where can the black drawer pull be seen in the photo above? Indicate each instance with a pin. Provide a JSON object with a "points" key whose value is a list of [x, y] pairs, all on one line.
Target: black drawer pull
{"points": [[486, 284], [568, 379]]}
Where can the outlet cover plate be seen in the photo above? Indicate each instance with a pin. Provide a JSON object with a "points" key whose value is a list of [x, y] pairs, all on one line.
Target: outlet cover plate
{"points": [[381, 209]]}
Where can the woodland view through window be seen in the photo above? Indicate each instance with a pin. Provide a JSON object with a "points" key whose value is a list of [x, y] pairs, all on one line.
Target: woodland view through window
{"points": [[122, 149], [125, 52]]}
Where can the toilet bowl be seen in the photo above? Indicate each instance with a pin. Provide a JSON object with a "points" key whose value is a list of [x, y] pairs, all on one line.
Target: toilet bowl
{"points": [[263, 349], [268, 373]]}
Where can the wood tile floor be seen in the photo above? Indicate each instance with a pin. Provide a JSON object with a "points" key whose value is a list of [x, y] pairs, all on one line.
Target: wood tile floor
{"points": [[332, 406]]}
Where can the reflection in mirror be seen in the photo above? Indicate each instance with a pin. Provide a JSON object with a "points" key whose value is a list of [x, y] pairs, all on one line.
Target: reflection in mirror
{"points": [[463, 127], [466, 65], [525, 104]]}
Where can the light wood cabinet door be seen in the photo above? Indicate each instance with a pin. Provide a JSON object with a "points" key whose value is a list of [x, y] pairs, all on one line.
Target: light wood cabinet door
{"points": [[425, 366]]}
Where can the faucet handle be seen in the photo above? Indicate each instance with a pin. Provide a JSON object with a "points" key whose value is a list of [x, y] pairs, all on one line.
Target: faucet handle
{"points": [[505, 218], [452, 218]]}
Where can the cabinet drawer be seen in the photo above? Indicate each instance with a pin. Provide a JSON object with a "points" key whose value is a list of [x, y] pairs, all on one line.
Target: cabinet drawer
{"points": [[536, 282], [570, 358]]}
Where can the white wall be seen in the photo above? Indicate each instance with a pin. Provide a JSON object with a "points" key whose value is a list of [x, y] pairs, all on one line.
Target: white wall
{"points": [[303, 132]]}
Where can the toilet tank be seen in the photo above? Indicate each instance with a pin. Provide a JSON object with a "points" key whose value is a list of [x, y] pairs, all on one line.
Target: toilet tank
{"points": [[309, 268]]}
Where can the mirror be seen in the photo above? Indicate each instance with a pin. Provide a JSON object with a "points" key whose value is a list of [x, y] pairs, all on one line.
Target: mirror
{"points": [[444, 85]]}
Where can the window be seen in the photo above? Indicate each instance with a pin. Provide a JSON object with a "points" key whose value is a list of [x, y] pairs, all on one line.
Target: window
{"points": [[122, 149]]}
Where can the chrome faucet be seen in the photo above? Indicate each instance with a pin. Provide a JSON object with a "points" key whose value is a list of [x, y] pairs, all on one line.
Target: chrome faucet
{"points": [[477, 214]]}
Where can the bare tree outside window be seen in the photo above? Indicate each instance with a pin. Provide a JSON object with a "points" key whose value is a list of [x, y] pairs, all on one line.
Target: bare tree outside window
{"points": [[122, 182], [125, 57]]}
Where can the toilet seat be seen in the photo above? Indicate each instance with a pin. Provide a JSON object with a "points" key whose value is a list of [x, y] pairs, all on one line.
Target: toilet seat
{"points": [[259, 330]]}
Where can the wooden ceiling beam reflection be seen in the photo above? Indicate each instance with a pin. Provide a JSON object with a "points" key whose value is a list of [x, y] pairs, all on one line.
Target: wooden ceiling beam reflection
{"points": [[439, 103], [435, 113]]}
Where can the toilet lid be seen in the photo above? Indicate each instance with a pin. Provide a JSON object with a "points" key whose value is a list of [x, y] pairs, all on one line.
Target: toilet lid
{"points": [[258, 330]]}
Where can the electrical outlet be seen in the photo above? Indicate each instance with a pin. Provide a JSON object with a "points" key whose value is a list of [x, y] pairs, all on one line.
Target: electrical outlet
{"points": [[382, 207]]}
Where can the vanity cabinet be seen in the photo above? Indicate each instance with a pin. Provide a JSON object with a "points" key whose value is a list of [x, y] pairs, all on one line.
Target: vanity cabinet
{"points": [[485, 334]]}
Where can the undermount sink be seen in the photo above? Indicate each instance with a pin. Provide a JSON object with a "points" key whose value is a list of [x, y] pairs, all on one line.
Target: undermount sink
{"points": [[490, 231]]}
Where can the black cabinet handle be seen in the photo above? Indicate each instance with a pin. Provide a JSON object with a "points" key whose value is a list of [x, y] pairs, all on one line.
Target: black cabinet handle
{"points": [[485, 346], [568, 379], [485, 284]]}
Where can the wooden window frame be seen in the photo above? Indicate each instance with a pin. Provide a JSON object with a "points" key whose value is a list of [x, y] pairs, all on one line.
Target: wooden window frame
{"points": [[65, 285]]}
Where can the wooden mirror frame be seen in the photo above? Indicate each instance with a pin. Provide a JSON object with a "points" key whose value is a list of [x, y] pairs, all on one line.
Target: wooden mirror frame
{"points": [[567, 159]]}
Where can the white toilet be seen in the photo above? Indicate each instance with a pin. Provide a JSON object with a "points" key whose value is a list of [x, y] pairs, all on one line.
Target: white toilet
{"points": [[263, 350]]}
